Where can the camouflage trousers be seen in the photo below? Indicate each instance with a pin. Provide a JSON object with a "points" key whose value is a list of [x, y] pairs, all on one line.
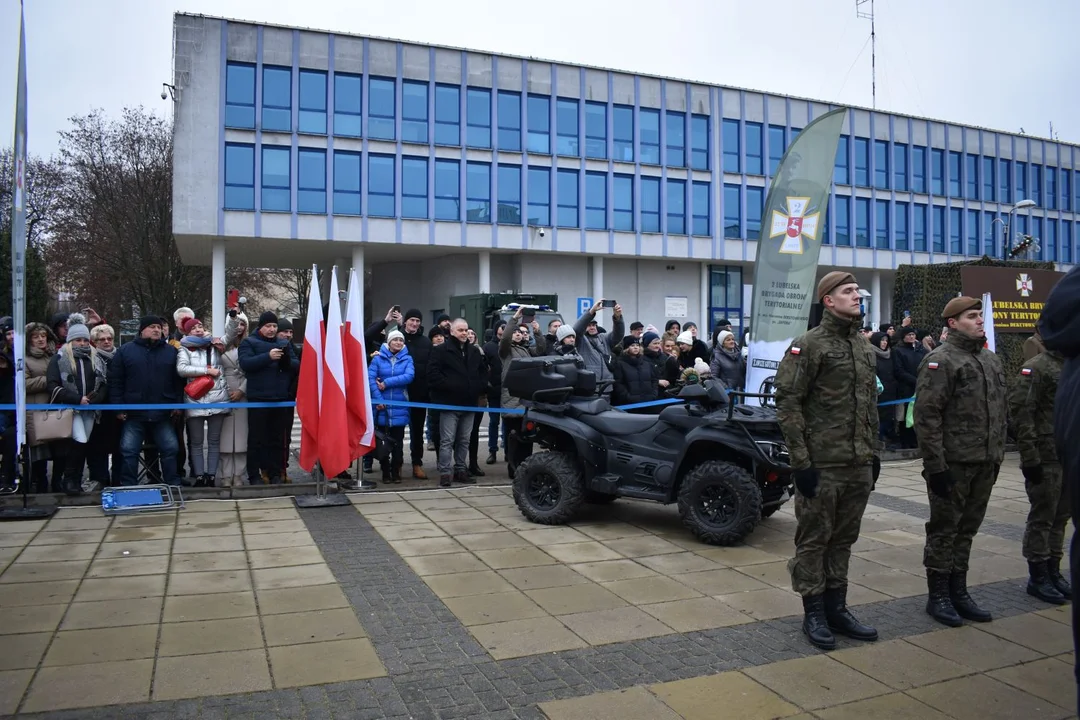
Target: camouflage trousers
{"points": [[1044, 535], [955, 520], [828, 527]]}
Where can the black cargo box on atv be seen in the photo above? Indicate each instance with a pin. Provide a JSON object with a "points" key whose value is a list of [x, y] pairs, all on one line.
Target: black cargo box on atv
{"points": [[547, 375]]}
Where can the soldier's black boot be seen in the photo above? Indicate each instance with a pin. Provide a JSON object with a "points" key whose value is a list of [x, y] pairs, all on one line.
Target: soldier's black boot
{"points": [[815, 625], [1063, 585], [1040, 586], [840, 619], [939, 605], [963, 603]]}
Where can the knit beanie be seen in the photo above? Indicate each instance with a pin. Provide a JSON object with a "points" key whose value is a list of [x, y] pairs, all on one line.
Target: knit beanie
{"points": [[78, 332], [265, 319], [630, 340], [648, 337], [442, 318], [722, 336], [395, 335], [147, 320], [564, 331], [187, 324], [284, 324], [685, 338], [436, 331], [413, 313]]}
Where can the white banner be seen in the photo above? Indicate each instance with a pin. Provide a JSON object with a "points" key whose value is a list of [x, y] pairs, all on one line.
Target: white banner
{"points": [[988, 322]]}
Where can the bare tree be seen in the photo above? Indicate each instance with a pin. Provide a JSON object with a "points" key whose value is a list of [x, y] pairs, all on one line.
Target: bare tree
{"points": [[43, 178], [293, 287]]}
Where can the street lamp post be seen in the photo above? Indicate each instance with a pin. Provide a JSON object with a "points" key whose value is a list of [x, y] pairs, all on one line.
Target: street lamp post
{"points": [[1022, 205]]}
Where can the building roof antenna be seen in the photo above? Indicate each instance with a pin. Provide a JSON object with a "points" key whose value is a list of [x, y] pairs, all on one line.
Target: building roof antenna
{"points": [[863, 13]]}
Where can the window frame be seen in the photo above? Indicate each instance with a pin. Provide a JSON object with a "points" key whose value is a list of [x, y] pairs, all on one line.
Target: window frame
{"points": [[344, 195], [863, 238], [276, 109], [239, 105], [619, 214], [754, 211], [539, 177], [593, 141], [620, 141], [675, 189], [312, 113], [470, 126], [647, 157], [506, 169], [414, 127], [842, 164], [900, 162], [882, 167], [470, 197], [675, 152], [918, 169], [442, 196], [538, 127], [647, 183], [567, 144], [699, 142], [411, 201], [901, 239], [732, 201], [730, 136], [697, 229], [842, 223], [754, 152], [264, 206], [919, 210], [304, 191], [513, 99], [595, 213], [882, 214], [444, 126], [249, 206], [340, 96], [373, 195], [562, 184], [377, 119]]}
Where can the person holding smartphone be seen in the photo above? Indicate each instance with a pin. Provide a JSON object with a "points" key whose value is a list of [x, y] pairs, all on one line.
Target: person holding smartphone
{"points": [[596, 347]]}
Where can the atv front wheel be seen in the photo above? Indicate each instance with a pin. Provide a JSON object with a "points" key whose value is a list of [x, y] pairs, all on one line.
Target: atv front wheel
{"points": [[548, 488], [720, 503]]}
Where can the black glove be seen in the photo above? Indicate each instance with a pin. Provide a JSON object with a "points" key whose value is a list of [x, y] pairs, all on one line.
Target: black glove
{"points": [[875, 472], [1033, 474], [806, 481], [941, 483]]}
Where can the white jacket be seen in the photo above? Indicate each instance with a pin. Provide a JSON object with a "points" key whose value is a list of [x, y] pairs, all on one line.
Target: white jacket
{"points": [[192, 363]]}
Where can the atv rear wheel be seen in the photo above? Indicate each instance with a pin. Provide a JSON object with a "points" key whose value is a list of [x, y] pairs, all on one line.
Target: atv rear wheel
{"points": [[719, 502], [548, 487], [599, 498]]}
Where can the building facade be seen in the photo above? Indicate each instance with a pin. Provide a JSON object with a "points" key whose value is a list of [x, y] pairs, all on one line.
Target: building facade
{"points": [[447, 172]]}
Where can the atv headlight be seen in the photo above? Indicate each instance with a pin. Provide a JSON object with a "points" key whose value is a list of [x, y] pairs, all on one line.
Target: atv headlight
{"points": [[777, 452]]}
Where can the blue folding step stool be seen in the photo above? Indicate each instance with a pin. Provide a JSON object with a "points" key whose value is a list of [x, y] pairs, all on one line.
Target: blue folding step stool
{"points": [[141, 498]]}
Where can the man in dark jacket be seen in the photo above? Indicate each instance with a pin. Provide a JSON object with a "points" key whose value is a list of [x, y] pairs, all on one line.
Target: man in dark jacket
{"points": [[1059, 328], [269, 365], [144, 372], [635, 376], [420, 350], [494, 389], [456, 376]]}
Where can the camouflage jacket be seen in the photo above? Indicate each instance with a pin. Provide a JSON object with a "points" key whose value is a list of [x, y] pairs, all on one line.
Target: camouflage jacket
{"points": [[960, 404], [826, 396], [1031, 403]]}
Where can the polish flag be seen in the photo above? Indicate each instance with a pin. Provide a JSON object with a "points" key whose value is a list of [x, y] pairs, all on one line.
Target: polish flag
{"points": [[309, 387], [357, 397], [334, 453]]}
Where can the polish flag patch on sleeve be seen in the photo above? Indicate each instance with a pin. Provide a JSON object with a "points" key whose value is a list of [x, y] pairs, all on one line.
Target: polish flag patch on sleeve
{"points": [[932, 366], [794, 350], [1025, 371]]}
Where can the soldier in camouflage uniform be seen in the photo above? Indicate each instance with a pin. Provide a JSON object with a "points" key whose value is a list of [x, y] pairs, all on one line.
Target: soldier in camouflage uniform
{"points": [[826, 399], [960, 423], [1031, 401]]}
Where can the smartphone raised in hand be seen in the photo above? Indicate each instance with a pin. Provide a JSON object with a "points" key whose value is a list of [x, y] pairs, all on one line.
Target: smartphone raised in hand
{"points": [[608, 304]]}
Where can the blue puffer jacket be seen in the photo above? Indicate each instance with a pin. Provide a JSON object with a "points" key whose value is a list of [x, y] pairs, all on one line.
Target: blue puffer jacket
{"points": [[396, 372]]}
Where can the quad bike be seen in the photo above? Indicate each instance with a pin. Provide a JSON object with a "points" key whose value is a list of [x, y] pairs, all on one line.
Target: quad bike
{"points": [[725, 464]]}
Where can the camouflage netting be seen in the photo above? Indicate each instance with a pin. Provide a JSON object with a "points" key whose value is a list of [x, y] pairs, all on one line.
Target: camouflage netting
{"points": [[925, 289]]}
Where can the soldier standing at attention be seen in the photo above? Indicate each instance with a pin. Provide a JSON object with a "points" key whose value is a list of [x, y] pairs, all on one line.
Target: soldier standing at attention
{"points": [[1031, 401], [960, 423], [826, 399]]}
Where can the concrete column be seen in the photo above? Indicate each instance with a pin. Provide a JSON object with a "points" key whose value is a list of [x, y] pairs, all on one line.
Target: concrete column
{"points": [[217, 286], [358, 266], [705, 320], [597, 278], [484, 281], [876, 300]]}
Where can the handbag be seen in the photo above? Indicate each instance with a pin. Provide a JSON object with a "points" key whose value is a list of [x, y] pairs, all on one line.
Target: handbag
{"points": [[199, 387], [384, 443], [47, 425]]}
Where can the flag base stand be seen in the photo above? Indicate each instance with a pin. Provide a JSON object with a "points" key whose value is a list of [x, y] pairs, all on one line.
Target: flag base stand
{"points": [[320, 498], [26, 512]]}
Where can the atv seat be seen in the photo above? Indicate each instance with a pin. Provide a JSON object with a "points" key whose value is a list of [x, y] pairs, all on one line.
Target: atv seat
{"points": [[588, 406], [616, 422]]}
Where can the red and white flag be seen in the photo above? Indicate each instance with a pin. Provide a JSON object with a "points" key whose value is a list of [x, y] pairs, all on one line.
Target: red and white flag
{"points": [[334, 453], [357, 396], [309, 386]]}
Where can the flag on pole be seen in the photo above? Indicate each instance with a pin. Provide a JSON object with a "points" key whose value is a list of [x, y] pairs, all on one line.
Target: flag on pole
{"points": [[309, 385], [357, 397], [988, 322], [334, 455], [18, 242]]}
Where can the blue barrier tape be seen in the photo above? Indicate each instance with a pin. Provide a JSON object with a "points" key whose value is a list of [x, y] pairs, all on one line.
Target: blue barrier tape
{"points": [[651, 403], [896, 402]]}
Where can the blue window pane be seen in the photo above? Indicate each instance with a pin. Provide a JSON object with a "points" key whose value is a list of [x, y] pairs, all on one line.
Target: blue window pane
{"points": [[596, 201], [954, 174], [568, 198], [1066, 241], [414, 112], [881, 224], [956, 236], [380, 201], [754, 164], [539, 196], [622, 117], [650, 137], [988, 184], [755, 203], [346, 183], [348, 92], [478, 118], [1051, 188], [566, 128], [478, 192], [988, 234], [1066, 190], [862, 222], [624, 203], [650, 203], [1036, 184], [675, 126], [862, 162], [842, 169], [1050, 249], [1020, 186], [277, 98], [239, 177], [971, 179], [938, 230], [730, 142], [732, 210], [900, 226], [509, 195], [414, 187], [702, 202], [937, 171], [776, 147], [900, 163], [509, 120], [918, 228], [842, 220], [676, 207], [973, 232], [447, 189], [275, 179], [596, 130], [699, 142], [447, 115], [240, 95], [881, 164], [918, 169], [381, 113], [1004, 181], [312, 102], [539, 136], [311, 181]]}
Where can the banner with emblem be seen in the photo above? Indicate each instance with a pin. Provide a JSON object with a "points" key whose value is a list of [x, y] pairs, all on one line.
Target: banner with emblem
{"points": [[793, 224]]}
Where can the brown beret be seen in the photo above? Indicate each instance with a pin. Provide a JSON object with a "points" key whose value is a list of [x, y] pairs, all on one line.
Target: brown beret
{"points": [[960, 305], [832, 281]]}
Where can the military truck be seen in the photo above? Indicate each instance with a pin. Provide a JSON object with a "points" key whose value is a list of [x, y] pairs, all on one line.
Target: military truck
{"points": [[482, 310]]}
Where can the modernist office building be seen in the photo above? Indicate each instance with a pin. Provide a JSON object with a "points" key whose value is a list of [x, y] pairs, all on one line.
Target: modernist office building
{"points": [[445, 171]]}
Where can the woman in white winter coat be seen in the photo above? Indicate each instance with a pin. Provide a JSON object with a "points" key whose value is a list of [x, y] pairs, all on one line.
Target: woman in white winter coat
{"points": [[234, 432], [199, 356]]}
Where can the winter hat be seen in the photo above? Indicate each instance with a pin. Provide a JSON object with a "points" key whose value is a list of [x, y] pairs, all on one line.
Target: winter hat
{"points": [[284, 324], [6, 323], [689, 324], [147, 320], [564, 332], [187, 324], [685, 338], [57, 320], [630, 340], [909, 330], [671, 324], [436, 331], [395, 335], [648, 337], [636, 325], [265, 319], [722, 336], [413, 313], [442, 318], [78, 331], [875, 339]]}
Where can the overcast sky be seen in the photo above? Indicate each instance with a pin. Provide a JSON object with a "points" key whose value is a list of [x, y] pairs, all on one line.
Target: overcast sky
{"points": [[1000, 64]]}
